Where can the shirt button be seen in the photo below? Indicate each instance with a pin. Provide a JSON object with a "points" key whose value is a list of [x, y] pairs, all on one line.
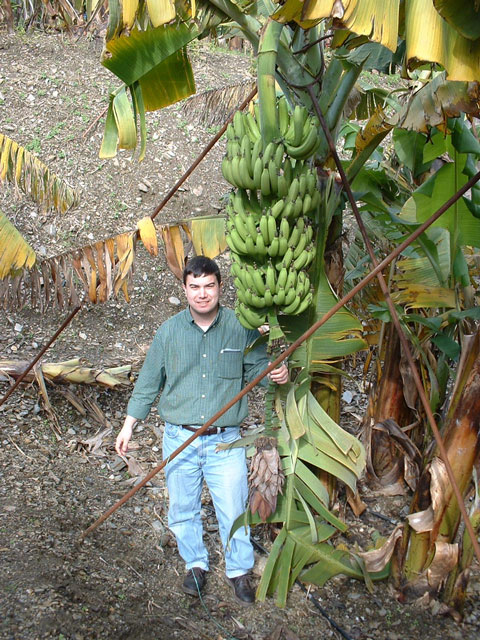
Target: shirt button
{"points": [[202, 417], [203, 395], [204, 375], [204, 355]]}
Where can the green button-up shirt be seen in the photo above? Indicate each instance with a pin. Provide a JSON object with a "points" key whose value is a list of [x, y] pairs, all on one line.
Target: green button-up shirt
{"points": [[197, 371]]}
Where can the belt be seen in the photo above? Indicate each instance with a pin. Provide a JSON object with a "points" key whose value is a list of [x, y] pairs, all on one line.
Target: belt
{"points": [[211, 431]]}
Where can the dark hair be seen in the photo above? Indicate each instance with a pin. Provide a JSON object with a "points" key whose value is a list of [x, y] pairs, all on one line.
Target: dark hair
{"points": [[201, 266]]}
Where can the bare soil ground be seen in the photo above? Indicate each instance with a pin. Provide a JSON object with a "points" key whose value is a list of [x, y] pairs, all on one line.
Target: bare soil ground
{"points": [[124, 581]]}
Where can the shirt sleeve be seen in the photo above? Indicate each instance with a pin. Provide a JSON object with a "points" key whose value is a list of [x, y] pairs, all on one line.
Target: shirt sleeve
{"points": [[150, 381], [256, 360]]}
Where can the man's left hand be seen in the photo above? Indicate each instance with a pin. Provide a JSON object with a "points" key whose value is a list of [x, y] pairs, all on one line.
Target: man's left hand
{"points": [[279, 375]]}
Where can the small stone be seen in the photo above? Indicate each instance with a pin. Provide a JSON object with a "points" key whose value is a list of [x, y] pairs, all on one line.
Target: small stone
{"points": [[174, 300], [82, 335], [142, 187], [18, 327], [347, 396]]}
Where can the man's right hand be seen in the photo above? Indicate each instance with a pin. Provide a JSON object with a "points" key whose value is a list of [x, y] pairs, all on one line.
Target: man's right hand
{"points": [[123, 438]]}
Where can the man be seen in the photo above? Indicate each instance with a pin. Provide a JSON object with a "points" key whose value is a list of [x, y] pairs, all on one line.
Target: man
{"points": [[197, 360]]}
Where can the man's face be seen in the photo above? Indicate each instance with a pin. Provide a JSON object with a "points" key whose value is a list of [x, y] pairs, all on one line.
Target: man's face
{"points": [[202, 294]]}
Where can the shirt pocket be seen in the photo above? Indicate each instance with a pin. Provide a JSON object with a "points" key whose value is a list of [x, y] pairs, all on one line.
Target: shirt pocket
{"points": [[230, 363]]}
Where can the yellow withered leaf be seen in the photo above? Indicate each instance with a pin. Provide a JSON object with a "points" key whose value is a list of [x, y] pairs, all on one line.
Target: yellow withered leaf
{"points": [[15, 252], [174, 250], [376, 19], [129, 11], [161, 11], [148, 235]]}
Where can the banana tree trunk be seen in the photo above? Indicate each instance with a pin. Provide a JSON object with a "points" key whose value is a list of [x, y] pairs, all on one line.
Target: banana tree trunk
{"points": [[387, 402], [435, 516]]}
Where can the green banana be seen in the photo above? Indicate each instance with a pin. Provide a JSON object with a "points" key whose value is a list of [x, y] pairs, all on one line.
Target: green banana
{"points": [[250, 284], [268, 153], [277, 208], [235, 243], [288, 171], [239, 124], [307, 147], [283, 115], [258, 281], [278, 156], [294, 236], [246, 150], [300, 246], [245, 174], [291, 280], [271, 226], [268, 297], [284, 229], [307, 204], [237, 180], [271, 278], [273, 173], [252, 127], [282, 185], [257, 172], [311, 182], [287, 258], [290, 296], [250, 248], [240, 226], [293, 190], [301, 260], [265, 186], [292, 307], [260, 247], [254, 316], [279, 297], [256, 150], [282, 278], [304, 303], [230, 132], [258, 301], [282, 245], [273, 247], [263, 226], [227, 170], [250, 224]]}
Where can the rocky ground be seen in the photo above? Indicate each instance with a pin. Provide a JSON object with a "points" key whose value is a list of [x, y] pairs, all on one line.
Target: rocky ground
{"points": [[56, 478]]}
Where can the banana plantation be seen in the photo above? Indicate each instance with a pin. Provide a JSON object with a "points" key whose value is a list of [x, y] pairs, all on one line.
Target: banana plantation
{"points": [[349, 227]]}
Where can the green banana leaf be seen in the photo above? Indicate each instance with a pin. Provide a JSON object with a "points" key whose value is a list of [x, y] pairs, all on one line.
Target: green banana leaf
{"points": [[338, 337], [433, 193], [134, 56]]}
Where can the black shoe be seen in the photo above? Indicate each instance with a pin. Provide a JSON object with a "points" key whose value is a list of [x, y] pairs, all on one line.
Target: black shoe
{"points": [[194, 581], [243, 590]]}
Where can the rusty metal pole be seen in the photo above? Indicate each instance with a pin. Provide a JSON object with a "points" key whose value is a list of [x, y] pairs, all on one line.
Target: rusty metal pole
{"points": [[64, 324], [273, 365], [396, 321]]}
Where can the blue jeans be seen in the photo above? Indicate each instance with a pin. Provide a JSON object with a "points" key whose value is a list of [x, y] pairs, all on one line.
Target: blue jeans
{"points": [[225, 473]]}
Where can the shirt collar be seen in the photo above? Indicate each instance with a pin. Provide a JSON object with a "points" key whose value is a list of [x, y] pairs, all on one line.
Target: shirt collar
{"points": [[191, 321]]}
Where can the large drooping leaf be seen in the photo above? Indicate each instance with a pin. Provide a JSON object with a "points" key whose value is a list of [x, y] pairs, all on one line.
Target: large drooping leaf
{"points": [[437, 101], [156, 58], [33, 177], [435, 192], [338, 337], [464, 17], [430, 38], [15, 252], [377, 19]]}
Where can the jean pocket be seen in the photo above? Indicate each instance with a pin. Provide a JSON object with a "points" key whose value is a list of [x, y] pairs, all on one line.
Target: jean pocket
{"points": [[171, 430], [230, 434], [230, 363]]}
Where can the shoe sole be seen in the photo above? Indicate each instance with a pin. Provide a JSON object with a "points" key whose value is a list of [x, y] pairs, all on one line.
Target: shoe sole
{"points": [[242, 602], [191, 592]]}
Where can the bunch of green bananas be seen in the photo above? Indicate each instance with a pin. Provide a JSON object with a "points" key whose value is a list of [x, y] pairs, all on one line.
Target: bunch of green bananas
{"points": [[268, 229]]}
